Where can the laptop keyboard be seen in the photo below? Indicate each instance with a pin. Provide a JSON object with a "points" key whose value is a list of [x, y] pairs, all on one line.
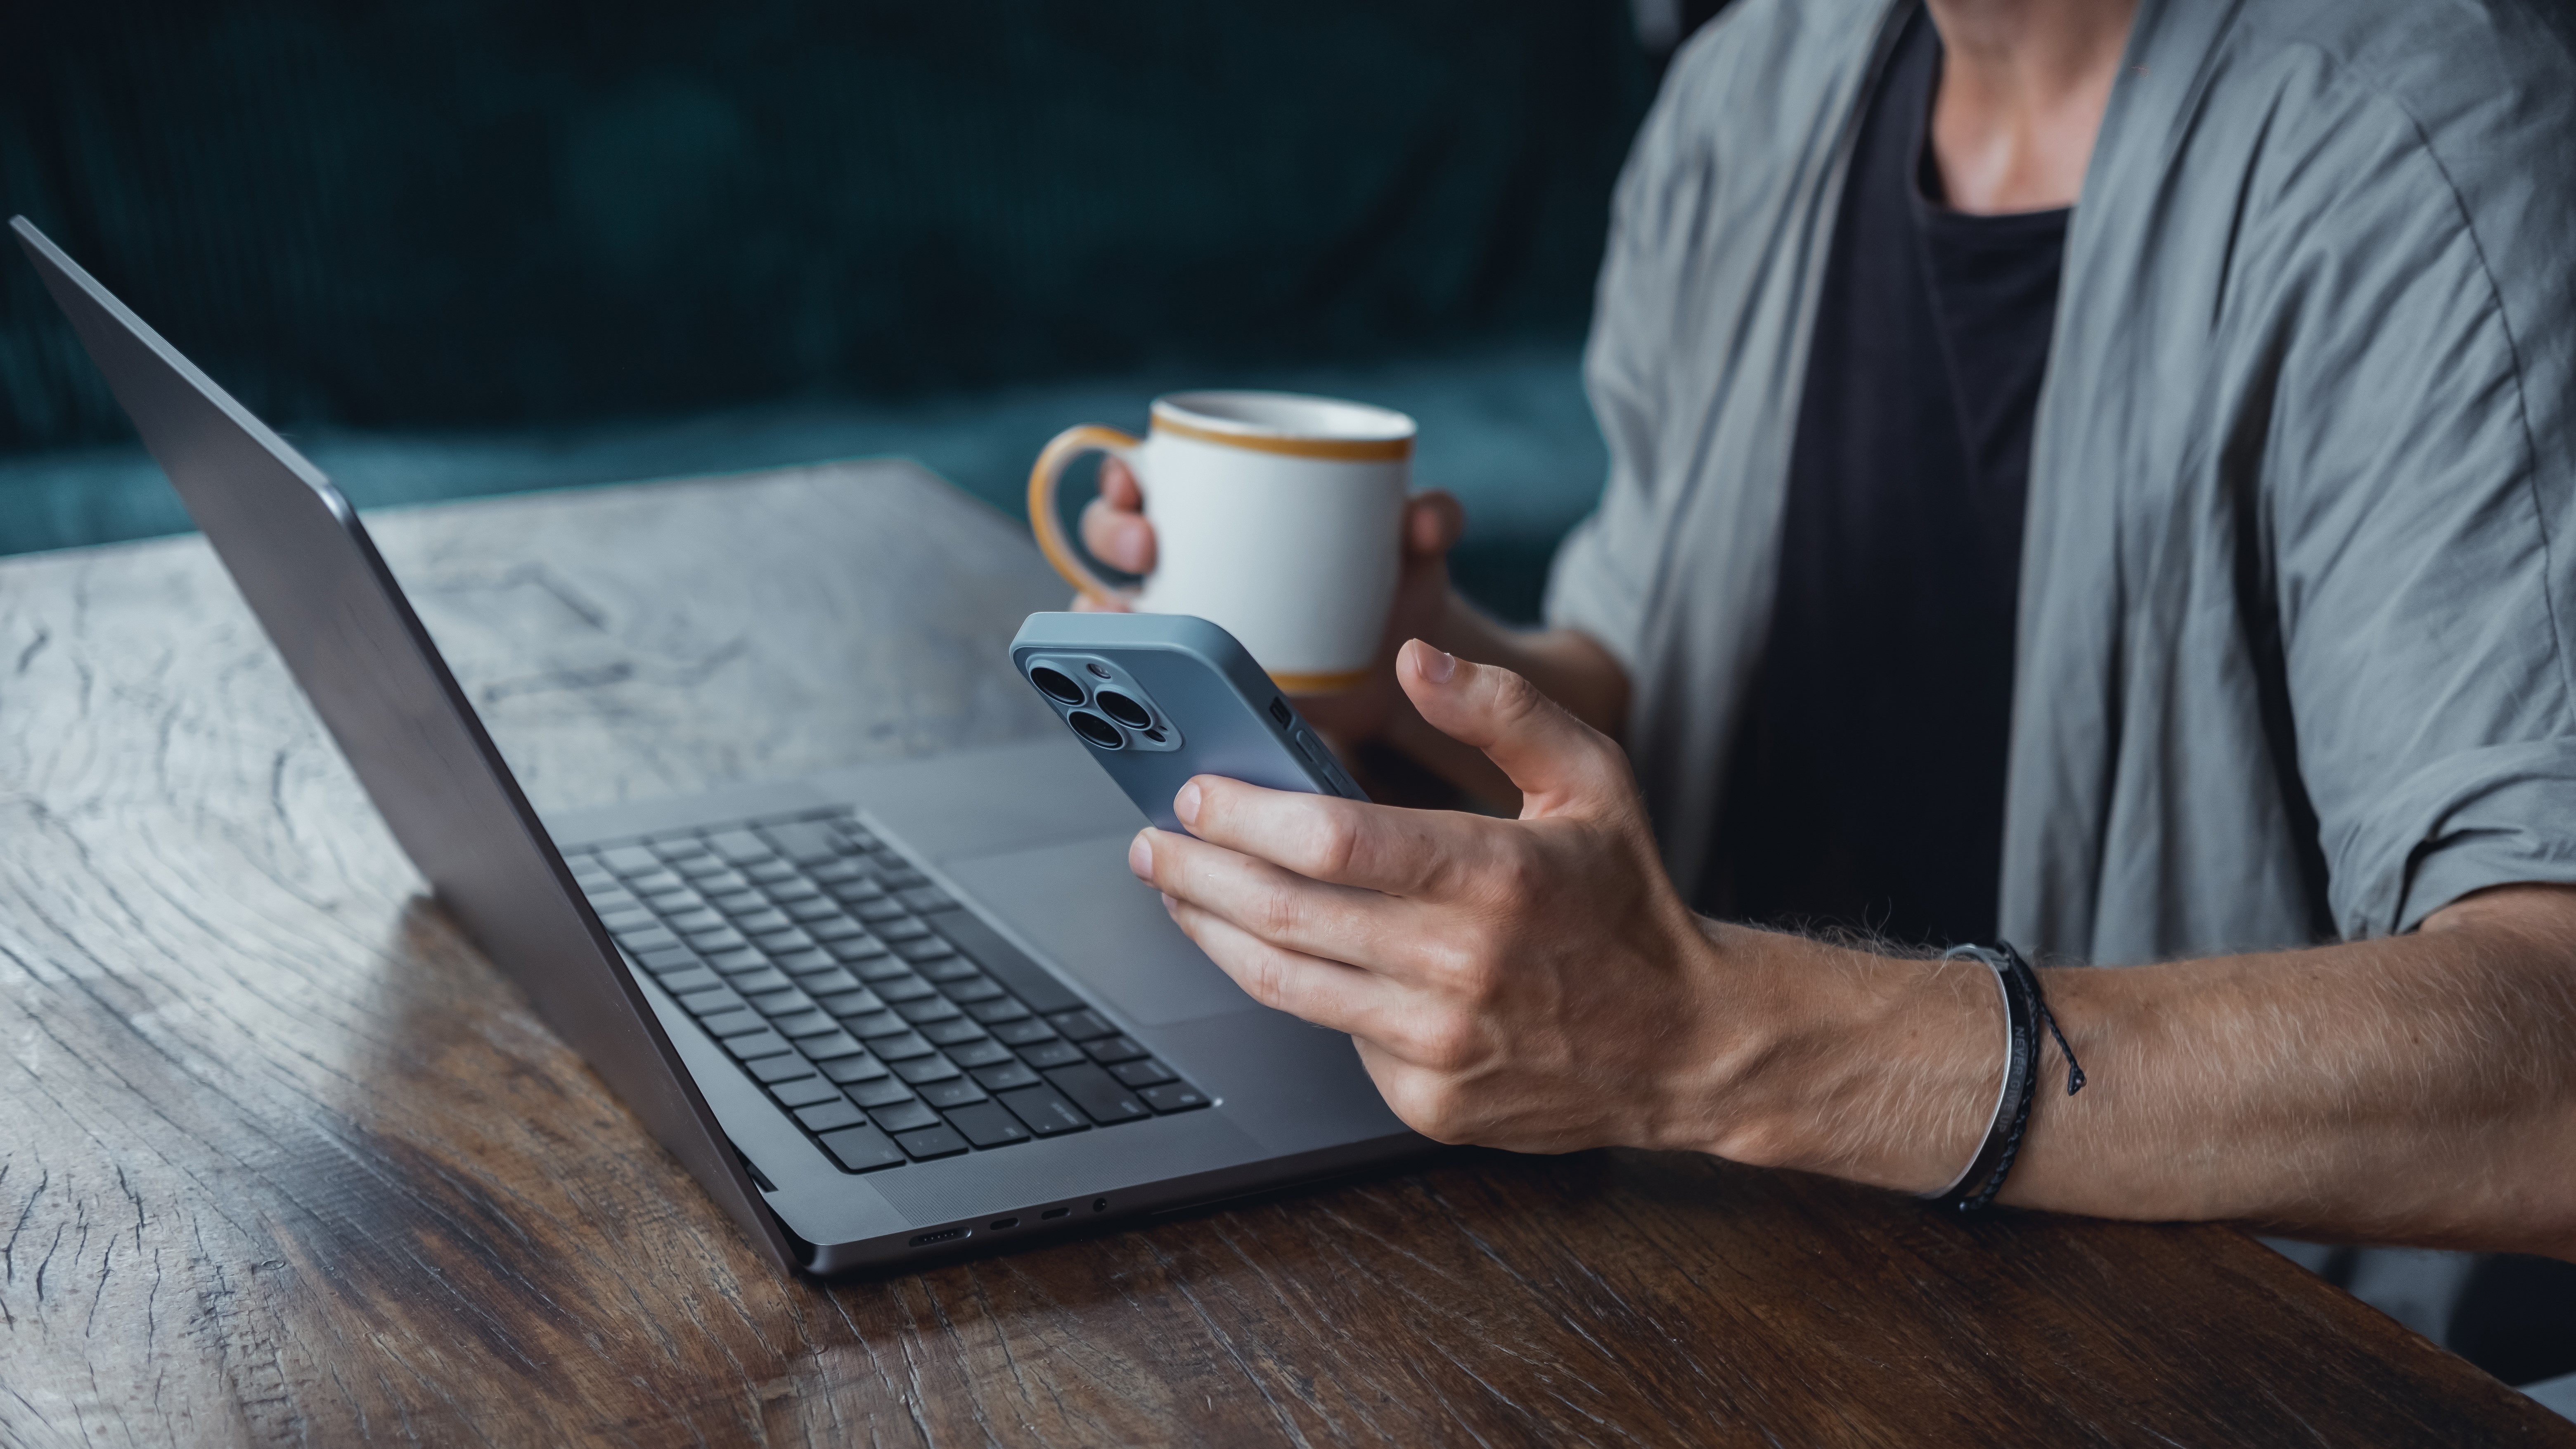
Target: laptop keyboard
{"points": [[891, 1024]]}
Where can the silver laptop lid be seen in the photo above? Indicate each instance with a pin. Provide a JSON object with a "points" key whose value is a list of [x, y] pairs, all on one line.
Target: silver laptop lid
{"points": [[300, 557]]}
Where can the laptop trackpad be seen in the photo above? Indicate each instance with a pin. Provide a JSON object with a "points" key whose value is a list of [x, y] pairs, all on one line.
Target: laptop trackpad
{"points": [[1077, 904]]}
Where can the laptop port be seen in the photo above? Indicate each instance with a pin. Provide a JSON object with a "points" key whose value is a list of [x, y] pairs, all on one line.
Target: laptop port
{"points": [[1001, 1223], [1100, 1204], [1053, 1213], [945, 1235]]}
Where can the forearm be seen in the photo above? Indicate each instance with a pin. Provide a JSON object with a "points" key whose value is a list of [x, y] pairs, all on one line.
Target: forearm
{"points": [[2420, 1089]]}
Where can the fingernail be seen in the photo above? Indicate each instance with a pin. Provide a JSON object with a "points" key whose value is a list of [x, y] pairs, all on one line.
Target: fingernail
{"points": [[1439, 665], [1140, 856], [1186, 803]]}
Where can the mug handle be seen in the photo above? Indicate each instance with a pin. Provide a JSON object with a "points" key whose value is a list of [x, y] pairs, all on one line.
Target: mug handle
{"points": [[1053, 541]]}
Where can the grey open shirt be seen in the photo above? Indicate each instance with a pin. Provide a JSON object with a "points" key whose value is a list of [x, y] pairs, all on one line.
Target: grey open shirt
{"points": [[2293, 660]]}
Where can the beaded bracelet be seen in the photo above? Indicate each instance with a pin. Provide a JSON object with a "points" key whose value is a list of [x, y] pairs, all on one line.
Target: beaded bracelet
{"points": [[2025, 1007]]}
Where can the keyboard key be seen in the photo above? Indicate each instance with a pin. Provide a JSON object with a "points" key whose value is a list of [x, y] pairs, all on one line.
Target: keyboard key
{"points": [[882, 970], [727, 1024], [1051, 1054], [741, 901], [721, 938], [808, 958], [899, 931], [831, 1046], [1108, 1049], [625, 919], [882, 911], [925, 898], [804, 1092], [874, 1024], [955, 1092], [1045, 1111], [838, 928], [757, 923], [829, 981], [855, 949], [702, 866], [906, 987], [770, 872], [857, 890], [652, 938], [905, 1117], [987, 1124], [860, 1068], [1006, 1076], [956, 1031], [737, 958], [1143, 1072], [928, 1009], [862, 1149], [1080, 1025], [809, 1022], [678, 847], [779, 1069], [653, 882], [972, 988], [757, 983], [696, 978], [932, 1142], [693, 920], [712, 1000], [795, 889], [900, 1048], [1173, 1097], [1023, 1032], [953, 970], [924, 947], [801, 840], [1098, 1093], [630, 859], [830, 1116], [883, 1092], [932, 1068], [986, 1053], [752, 1046], [808, 912], [860, 1002], [996, 1011], [904, 879], [782, 943], [783, 1002], [737, 846], [669, 958], [836, 871]]}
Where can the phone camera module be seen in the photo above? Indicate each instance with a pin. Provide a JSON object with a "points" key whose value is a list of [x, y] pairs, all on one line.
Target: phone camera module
{"points": [[1100, 669], [1098, 731], [1056, 684], [1124, 710]]}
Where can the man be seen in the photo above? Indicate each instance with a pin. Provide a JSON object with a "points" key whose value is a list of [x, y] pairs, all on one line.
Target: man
{"points": [[2174, 579]]}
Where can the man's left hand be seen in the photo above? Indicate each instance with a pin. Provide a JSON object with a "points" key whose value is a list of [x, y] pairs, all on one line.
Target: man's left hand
{"points": [[1534, 984]]}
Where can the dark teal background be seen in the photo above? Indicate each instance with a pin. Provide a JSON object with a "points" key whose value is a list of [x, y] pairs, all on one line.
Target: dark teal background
{"points": [[474, 247]]}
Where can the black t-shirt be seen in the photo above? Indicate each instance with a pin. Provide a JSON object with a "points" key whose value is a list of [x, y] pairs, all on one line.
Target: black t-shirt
{"points": [[1867, 787]]}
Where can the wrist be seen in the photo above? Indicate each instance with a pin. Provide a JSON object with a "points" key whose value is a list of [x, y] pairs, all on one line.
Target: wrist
{"points": [[1872, 1068]]}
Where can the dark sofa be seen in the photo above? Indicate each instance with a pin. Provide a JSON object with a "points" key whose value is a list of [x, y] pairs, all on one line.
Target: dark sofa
{"points": [[469, 248]]}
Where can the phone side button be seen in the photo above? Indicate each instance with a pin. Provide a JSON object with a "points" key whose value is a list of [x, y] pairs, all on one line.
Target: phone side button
{"points": [[1313, 748]]}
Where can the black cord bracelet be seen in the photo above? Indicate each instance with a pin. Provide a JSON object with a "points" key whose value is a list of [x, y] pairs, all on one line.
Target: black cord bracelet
{"points": [[2025, 1007]]}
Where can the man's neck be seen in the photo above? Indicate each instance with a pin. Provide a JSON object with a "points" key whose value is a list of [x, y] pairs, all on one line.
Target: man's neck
{"points": [[2023, 86]]}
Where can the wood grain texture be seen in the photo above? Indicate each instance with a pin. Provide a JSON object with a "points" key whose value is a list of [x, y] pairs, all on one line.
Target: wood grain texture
{"points": [[284, 1160]]}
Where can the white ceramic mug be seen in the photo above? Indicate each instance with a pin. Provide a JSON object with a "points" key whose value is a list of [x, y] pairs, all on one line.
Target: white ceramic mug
{"points": [[1275, 516]]}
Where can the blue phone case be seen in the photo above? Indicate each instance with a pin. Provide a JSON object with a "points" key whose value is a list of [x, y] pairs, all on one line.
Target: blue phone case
{"points": [[1158, 698]]}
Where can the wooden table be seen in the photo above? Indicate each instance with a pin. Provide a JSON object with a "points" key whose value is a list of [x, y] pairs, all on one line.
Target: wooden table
{"points": [[283, 1159]]}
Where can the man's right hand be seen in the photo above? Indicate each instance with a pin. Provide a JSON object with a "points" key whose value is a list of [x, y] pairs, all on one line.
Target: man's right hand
{"points": [[1115, 529]]}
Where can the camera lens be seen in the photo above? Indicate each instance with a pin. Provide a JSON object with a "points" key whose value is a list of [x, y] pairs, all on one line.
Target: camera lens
{"points": [[1122, 709], [1097, 730], [1056, 684]]}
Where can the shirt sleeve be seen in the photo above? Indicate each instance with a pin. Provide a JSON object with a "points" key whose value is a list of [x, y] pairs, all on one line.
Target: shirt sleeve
{"points": [[1602, 575], [2413, 415]]}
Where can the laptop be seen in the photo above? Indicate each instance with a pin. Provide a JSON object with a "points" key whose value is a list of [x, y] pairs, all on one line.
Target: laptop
{"points": [[884, 1015]]}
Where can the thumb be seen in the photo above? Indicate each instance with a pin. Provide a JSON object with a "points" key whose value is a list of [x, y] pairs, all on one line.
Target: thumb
{"points": [[1560, 763]]}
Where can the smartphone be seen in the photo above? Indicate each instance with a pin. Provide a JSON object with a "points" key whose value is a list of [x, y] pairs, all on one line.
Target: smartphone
{"points": [[1158, 698]]}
